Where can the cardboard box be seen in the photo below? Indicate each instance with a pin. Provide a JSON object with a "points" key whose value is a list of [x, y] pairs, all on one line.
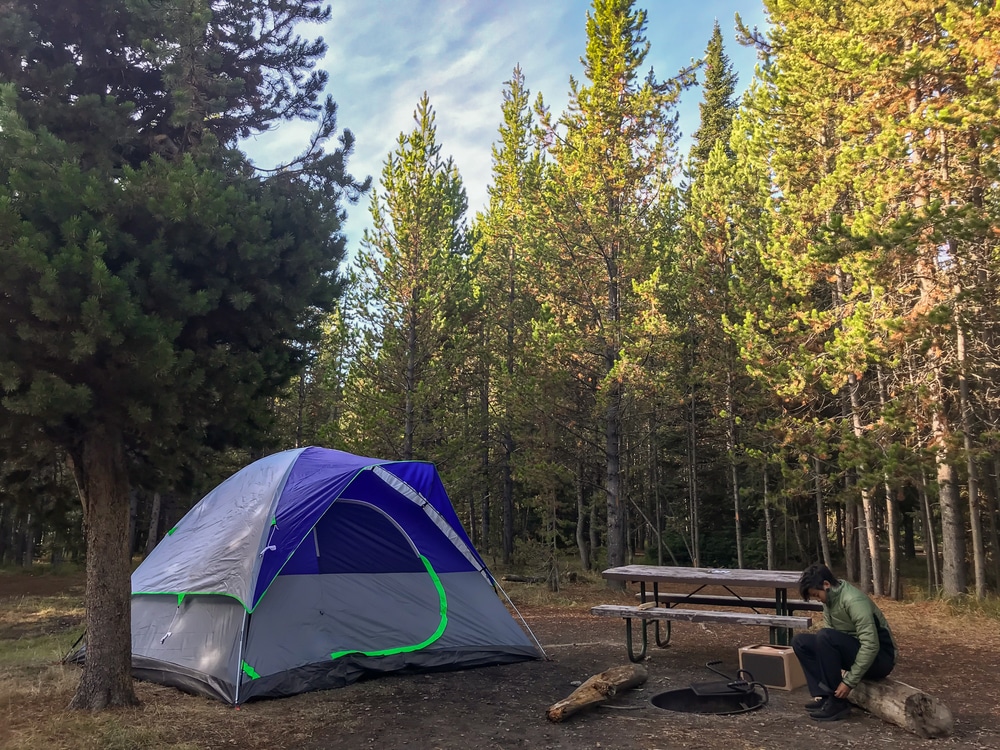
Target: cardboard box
{"points": [[774, 666]]}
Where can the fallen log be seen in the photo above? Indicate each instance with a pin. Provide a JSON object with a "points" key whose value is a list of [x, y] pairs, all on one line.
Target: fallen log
{"points": [[524, 579], [598, 689], [905, 706]]}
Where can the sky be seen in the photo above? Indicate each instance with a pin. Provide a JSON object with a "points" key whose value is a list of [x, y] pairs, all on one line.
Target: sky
{"points": [[384, 54]]}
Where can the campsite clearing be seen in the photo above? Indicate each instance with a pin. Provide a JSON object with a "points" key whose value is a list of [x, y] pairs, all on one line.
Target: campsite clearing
{"points": [[491, 707]]}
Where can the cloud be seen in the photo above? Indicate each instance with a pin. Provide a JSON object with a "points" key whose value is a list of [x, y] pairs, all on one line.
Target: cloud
{"points": [[383, 54]]}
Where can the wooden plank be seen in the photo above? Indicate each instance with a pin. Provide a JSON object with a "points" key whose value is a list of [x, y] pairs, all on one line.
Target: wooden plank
{"points": [[702, 615], [776, 579], [731, 601]]}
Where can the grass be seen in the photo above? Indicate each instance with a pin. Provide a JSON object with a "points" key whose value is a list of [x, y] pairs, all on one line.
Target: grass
{"points": [[37, 631]]}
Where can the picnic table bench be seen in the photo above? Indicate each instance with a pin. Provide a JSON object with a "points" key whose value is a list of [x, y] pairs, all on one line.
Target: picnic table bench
{"points": [[656, 607]]}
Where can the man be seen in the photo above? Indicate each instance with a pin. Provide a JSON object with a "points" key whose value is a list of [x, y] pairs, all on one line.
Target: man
{"points": [[855, 638]]}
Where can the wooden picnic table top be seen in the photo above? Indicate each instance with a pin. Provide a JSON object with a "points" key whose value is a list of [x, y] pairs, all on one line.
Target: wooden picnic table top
{"points": [[776, 579]]}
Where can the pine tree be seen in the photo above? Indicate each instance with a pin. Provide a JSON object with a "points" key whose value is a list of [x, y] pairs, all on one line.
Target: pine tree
{"points": [[410, 292], [611, 167], [504, 239], [157, 291], [719, 103]]}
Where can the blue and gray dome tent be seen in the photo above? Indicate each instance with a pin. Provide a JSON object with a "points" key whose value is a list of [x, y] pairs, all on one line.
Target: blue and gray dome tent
{"points": [[310, 569]]}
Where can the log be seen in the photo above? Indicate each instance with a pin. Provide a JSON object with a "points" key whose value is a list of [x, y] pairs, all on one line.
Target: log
{"points": [[524, 579], [905, 706], [598, 689]]}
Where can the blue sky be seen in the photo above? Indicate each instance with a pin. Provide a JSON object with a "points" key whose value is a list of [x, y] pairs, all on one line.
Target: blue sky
{"points": [[383, 54]]}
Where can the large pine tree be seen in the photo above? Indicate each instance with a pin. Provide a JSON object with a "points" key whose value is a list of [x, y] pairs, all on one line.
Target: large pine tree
{"points": [[156, 291]]}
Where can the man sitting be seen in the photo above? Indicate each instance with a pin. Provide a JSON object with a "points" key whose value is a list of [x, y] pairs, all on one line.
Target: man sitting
{"points": [[855, 637]]}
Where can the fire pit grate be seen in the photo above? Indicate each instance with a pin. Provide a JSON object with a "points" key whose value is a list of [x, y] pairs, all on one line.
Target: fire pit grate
{"points": [[732, 696]]}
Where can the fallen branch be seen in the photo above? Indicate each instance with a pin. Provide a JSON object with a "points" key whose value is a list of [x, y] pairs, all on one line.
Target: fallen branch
{"points": [[525, 579], [905, 706], [598, 689]]}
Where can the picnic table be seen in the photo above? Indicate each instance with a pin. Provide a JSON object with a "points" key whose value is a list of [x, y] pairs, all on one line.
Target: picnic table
{"points": [[656, 606]]}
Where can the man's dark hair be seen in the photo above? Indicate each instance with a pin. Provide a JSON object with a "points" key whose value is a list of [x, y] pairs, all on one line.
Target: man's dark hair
{"points": [[813, 577]]}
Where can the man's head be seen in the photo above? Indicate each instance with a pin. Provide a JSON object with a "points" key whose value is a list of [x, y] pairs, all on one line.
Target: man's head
{"points": [[815, 581]]}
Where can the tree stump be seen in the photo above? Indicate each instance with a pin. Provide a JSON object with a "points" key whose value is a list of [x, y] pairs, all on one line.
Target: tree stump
{"points": [[905, 706], [598, 689]]}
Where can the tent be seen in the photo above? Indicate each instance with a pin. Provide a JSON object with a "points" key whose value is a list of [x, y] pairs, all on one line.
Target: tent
{"points": [[310, 569]]}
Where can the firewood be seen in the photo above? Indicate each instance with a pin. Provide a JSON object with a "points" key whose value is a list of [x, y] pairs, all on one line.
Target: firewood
{"points": [[905, 706], [598, 689]]}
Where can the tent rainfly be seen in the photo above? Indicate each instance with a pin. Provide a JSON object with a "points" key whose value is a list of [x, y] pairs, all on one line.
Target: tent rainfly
{"points": [[310, 569]]}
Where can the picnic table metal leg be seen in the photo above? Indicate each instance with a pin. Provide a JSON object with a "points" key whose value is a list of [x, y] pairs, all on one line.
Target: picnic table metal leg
{"points": [[628, 640], [781, 636], [662, 643]]}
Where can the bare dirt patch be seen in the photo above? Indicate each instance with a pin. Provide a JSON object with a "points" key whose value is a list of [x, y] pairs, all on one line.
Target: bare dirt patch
{"points": [[951, 657]]}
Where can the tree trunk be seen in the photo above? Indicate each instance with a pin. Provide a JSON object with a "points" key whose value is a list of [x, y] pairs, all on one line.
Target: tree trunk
{"points": [[154, 523], [581, 517], [870, 529], [892, 511], [693, 481], [484, 446], [28, 541], [769, 527], [905, 706], [598, 689], [851, 540], [133, 520], [613, 488], [508, 498], [953, 579], [103, 485], [824, 538], [992, 510], [734, 479], [930, 536], [975, 520]]}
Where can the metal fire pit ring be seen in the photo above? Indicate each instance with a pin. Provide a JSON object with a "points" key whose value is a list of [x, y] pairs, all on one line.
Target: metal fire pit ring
{"points": [[687, 700], [719, 698]]}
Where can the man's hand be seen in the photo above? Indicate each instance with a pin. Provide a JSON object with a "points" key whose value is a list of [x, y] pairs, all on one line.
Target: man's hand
{"points": [[843, 690]]}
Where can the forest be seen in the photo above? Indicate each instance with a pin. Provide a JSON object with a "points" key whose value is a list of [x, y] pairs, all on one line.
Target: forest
{"points": [[777, 347]]}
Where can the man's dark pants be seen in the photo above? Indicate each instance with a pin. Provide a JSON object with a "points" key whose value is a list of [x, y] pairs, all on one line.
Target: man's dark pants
{"points": [[826, 652]]}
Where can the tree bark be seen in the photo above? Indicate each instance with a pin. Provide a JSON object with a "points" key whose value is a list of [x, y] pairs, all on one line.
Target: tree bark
{"points": [[598, 689], [953, 577], [103, 485], [905, 706]]}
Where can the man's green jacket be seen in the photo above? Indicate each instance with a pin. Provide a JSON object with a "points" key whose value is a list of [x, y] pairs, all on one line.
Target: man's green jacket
{"points": [[850, 611]]}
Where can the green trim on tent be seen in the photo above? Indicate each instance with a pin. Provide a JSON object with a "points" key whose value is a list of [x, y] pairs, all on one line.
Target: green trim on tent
{"points": [[442, 607], [171, 532], [250, 671], [180, 599]]}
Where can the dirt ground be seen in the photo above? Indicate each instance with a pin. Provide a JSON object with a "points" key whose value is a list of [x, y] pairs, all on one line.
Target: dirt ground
{"points": [[954, 658]]}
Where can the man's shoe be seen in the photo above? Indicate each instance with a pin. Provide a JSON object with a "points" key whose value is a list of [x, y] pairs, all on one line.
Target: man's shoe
{"points": [[815, 703], [833, 709]]}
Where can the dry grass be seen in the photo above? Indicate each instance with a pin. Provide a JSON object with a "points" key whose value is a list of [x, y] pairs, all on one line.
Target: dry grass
{"points": [[36, 632]]}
